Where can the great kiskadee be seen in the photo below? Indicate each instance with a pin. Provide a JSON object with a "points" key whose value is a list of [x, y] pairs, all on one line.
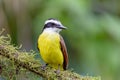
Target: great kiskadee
{"points": [[52, 46]]}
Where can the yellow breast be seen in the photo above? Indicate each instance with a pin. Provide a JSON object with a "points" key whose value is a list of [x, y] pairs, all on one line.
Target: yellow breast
{"points": [[50, 50]]}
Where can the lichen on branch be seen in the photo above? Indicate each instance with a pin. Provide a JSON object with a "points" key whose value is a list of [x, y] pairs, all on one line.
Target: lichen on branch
{"points": [[26, 60]]}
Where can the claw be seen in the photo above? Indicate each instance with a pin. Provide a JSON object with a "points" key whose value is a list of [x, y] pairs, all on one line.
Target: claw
{"points": [[43, 67], [57, 72]]}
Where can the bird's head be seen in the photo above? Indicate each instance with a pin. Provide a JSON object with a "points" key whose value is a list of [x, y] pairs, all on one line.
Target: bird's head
{"points": [[53, 25]]}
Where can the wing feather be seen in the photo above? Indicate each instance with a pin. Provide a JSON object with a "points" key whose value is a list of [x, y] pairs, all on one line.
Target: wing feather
{"points": [[65, 54]]}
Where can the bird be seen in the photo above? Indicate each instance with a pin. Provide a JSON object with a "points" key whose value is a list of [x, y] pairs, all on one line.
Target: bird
{"points": [[51, 45]]}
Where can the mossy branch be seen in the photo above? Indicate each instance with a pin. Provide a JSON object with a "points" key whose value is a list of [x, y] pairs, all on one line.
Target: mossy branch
{"points": [[26, 60]]}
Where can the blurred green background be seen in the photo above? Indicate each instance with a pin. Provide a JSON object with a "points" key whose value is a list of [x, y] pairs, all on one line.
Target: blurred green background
{"points": [[92, 37]]}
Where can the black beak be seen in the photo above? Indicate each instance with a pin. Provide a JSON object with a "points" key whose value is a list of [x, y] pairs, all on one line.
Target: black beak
{"points": [[62, 27]]}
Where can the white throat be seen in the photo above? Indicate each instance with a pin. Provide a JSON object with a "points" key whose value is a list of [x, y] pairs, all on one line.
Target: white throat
{"points": [[57, 30]]}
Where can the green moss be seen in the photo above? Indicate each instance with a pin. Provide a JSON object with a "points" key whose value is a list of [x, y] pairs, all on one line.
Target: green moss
{"points": [[17, 64]]}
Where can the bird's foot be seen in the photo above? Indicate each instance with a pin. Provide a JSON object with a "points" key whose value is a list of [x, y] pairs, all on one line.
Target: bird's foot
{"points": [[57, 71], [43, 67]]}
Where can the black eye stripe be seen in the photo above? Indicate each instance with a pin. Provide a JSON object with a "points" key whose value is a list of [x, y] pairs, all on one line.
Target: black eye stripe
{"points": [[50, 24]]}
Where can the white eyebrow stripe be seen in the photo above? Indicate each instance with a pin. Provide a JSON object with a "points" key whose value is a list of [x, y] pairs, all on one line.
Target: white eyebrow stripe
{"points": [[53, 21]]}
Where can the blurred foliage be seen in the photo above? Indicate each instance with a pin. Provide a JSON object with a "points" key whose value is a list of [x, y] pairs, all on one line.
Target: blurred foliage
{"points": [[92, 38]]}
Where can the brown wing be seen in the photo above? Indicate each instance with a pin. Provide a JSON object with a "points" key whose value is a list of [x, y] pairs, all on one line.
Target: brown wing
{"points": [[65, 54]]}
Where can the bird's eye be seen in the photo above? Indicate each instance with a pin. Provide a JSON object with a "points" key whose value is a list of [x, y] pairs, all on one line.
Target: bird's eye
{"points": [[52, 24]]}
